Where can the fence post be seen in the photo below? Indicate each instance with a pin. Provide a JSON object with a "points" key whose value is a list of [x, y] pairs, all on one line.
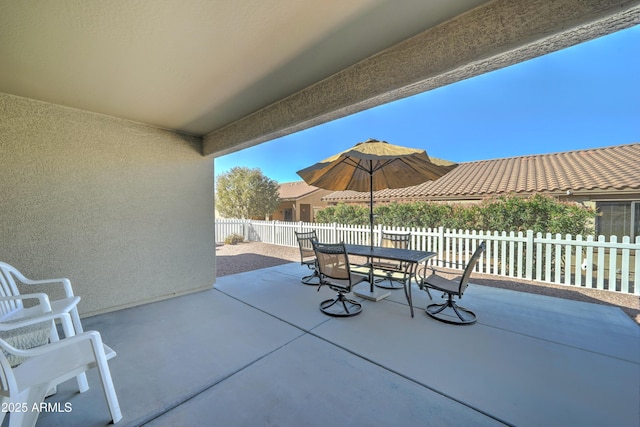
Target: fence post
{"points": [[529, 250], [588, 264], [539, 257], [636, 280], [578, 264], [441, 245], [613, 263], [600, 268]]}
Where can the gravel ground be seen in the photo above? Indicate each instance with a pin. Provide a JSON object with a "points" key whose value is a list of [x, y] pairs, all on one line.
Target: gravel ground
{"points": [[232, 259]]}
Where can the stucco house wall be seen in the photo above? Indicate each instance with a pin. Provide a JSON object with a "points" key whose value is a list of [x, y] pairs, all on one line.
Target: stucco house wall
{"points": [[124, 210], [314, 200], [315, 203]]}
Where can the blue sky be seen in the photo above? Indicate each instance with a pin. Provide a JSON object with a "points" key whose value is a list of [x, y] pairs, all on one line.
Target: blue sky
{"points": [[582, 97]]}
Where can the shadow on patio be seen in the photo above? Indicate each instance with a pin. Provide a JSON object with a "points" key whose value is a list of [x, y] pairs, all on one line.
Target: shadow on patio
{"points": [[256, 350]]}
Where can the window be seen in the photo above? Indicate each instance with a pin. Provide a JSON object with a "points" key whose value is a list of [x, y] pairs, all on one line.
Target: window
{"points": [[619, 219]]}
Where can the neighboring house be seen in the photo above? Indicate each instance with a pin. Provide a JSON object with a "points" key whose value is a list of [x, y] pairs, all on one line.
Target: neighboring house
{"points": [[299, 201], [607, 178]]}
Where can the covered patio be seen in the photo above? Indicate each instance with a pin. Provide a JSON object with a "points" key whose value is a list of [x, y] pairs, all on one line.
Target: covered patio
{"points": [[111, 118], [255, 350]]}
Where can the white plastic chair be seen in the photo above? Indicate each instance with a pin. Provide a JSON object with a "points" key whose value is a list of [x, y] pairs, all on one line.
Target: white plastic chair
{"points": [[36, 330], [13, 313], [47, 366], [12, 306]]}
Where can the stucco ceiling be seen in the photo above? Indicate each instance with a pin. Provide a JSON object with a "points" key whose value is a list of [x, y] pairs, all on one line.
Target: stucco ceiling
{"points": [[242, 72], [194, 66]]}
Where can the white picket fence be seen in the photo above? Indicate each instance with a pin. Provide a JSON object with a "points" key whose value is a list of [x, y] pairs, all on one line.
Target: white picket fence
{"points": [[568, 260]]}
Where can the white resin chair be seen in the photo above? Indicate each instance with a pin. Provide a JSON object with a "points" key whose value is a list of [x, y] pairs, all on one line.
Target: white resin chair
{"points": [[14, 315], [44, 367], [14, 308]]}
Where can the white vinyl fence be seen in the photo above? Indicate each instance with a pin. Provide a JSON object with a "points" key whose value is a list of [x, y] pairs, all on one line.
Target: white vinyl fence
{"points": [[568, 260]]}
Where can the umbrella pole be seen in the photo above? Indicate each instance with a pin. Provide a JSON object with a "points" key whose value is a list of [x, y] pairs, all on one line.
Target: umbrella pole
{"points": [[370, 261], [371, 209]]}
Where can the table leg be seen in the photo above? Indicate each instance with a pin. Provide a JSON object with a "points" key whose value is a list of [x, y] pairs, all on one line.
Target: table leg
{"points": [[408, 273]]}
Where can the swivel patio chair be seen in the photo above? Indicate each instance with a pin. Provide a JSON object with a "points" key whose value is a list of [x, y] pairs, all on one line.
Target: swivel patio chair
{"points": [[333, 267], [308, 256], [25, 386], [451, 289], [391, 275]]}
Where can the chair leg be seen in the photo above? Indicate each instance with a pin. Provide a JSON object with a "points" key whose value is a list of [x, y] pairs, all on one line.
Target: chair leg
{"points": [[328, 303], [3, 401], [423, 287], [106, 380], [70, 329], [32, 396], [307, 280], [75, 319], [470, 315], [379, 283], [467, 318], [110, 393], [356, 307]]}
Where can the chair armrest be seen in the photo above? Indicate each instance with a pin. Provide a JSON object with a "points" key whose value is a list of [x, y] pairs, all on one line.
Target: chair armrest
{"points": [[427, 271], [33, 320], [66, 283], [42, 298], [433, 264], [423, 270], [93, 336], [40, 313]]}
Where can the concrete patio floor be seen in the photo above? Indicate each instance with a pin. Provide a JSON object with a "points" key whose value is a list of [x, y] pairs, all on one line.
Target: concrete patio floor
{"points": [[256, 350]]}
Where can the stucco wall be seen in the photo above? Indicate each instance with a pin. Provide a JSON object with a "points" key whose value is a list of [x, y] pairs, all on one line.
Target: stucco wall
{"points": [[122, 209]]}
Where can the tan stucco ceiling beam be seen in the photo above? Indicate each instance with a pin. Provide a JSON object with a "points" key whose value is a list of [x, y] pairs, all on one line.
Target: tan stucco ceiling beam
{"points": [[492, 36]]}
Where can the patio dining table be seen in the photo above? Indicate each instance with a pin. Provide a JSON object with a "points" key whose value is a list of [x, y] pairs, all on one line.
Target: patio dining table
{"points": [[409, 258]]}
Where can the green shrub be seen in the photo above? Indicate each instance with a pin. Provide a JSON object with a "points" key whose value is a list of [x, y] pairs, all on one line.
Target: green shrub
{"points": [[539, 213], [233, 239], [344, 214]]}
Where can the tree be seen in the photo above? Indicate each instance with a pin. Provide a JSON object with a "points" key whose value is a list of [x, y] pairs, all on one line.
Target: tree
{"points": [[246, 193]]}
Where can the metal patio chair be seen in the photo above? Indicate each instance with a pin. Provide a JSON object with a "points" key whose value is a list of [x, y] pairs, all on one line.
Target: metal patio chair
{"points": [[333, 266], [451, 289], [308, 256], [389, 271]]}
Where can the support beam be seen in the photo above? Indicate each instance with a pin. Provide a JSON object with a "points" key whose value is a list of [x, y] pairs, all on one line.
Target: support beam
{"points": [[492, 36]]}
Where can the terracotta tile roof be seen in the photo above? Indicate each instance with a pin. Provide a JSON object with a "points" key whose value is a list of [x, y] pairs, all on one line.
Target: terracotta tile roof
{"points": [[295, 190], [608, 169]]}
